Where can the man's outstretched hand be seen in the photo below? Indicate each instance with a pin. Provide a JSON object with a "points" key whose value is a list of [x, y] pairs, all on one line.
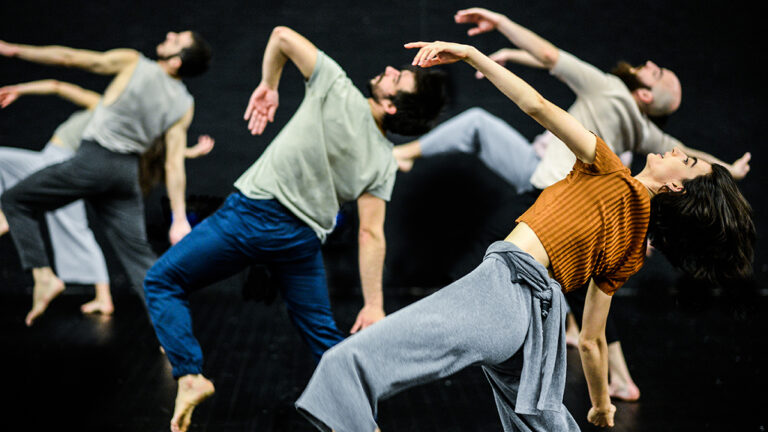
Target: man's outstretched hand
{"points": [[261, 108], [179, 229], [738, 169], [483, 19], [368, 315]]}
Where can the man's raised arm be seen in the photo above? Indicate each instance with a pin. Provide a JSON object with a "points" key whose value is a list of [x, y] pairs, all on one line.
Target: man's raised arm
{"points": [[738, 169], [283, 44], [110, 62], [541, 49]]}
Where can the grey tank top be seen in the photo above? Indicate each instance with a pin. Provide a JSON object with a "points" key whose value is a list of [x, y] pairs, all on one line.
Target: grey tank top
{"points": [[150, 104], [70, 133]]}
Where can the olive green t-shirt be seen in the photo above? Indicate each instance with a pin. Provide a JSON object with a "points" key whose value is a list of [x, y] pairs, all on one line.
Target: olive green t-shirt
{"points": [[330, 152]]}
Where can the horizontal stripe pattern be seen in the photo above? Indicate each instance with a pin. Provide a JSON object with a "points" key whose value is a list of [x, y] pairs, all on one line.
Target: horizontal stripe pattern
{"points": [[593, 223]]}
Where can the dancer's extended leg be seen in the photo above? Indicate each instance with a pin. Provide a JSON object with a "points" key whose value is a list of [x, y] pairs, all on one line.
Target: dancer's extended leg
{"points": [[481, 319], [305, 291], [476, 131]]}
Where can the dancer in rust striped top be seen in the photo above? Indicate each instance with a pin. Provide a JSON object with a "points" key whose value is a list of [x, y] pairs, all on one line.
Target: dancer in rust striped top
{"points": [[508, 315]]}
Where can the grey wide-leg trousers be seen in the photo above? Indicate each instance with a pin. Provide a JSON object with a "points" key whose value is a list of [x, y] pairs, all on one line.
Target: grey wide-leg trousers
{"points": [[493, 317]]}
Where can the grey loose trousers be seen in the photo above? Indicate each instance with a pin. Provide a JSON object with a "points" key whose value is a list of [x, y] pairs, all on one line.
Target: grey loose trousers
{"points": [[107, 181], [76, 253], [495, 317]]}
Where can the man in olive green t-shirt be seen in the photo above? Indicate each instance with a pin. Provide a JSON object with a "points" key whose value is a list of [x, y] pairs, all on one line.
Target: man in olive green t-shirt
{"points": [[333, 150]]}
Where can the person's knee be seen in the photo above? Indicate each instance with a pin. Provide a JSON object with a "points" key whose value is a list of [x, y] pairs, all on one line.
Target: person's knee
{"points": [[155, 281], [476, 115], [340, 357], [8, 201]]}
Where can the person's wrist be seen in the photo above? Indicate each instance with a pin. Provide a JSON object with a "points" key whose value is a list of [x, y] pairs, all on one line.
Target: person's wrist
{"points": [[268, 85], [502, 21], [377, 304], [604, 406], [178, 217]]}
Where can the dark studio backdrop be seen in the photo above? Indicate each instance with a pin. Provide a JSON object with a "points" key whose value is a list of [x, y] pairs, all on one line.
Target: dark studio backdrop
{"points": [[438, 207]]}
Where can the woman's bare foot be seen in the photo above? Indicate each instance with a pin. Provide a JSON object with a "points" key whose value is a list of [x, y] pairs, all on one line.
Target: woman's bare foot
{"points": [[102, 303], [625, 392], [571, 331], [47, 287], [621, 385], [193, 389], [98, 306]]}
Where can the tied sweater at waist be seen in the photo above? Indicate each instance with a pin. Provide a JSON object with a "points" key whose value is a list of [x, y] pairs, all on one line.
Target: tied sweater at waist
{"points": [[542, 380]]}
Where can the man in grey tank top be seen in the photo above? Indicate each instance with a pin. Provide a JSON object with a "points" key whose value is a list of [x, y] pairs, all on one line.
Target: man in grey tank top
{"points": [[144, 101]]}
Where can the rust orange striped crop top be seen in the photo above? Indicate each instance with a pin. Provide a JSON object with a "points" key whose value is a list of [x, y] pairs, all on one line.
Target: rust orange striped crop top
{"points": [[593, 223]]}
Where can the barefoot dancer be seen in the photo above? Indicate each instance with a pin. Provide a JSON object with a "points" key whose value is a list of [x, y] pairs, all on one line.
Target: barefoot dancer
{"points": [[615, 106], [144, 101], [78, 258], [508, 315], [333, 150]]}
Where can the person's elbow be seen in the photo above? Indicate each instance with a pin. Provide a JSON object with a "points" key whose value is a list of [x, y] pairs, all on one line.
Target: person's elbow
{"points": [[370, 235], [281, 34], [589, 344], [549, 57], [535, 105], [174, 162]]}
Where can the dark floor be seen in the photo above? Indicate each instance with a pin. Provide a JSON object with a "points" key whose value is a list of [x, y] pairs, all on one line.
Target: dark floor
{"points": [[699, 361]]}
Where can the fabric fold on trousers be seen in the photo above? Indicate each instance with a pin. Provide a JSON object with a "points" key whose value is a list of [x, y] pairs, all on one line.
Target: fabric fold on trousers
{"points": [[542, 379]]}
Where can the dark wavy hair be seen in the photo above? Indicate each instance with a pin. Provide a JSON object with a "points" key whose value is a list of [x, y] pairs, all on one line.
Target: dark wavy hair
{"points": [[417, 111], [194, 58], [152, 166], [706, 229]]}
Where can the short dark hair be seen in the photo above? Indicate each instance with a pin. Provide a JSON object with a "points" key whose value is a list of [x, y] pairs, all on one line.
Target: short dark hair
{"points": [[194, 58], [418, 110], [623, 70], [706, 229]]}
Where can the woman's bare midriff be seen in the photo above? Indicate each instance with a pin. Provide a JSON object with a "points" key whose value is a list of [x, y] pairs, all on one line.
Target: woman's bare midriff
{"points": [[527, 240]]}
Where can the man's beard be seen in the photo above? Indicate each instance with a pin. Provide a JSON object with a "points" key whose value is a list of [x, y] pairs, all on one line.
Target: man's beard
{"points": [[371, 90]]}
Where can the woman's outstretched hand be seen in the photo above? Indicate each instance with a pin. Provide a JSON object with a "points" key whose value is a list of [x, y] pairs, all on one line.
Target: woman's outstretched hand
{"points": [[438, 53]]}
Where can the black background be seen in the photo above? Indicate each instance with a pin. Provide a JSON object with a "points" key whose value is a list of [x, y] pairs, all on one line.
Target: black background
{"points": [[437, 208]]}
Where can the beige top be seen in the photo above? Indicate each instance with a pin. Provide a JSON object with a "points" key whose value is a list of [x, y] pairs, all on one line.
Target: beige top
{"points": [[605, 106]]}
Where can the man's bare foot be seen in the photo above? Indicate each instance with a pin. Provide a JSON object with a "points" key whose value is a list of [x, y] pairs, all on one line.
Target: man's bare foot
{"points": [[626, 393], [404, 164], [3, 224], [104, 307], [193, 389], [45, 290], [406, 154]]}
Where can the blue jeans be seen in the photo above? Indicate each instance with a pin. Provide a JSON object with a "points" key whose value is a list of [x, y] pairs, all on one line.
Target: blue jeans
{"points": [[241, 232]]}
